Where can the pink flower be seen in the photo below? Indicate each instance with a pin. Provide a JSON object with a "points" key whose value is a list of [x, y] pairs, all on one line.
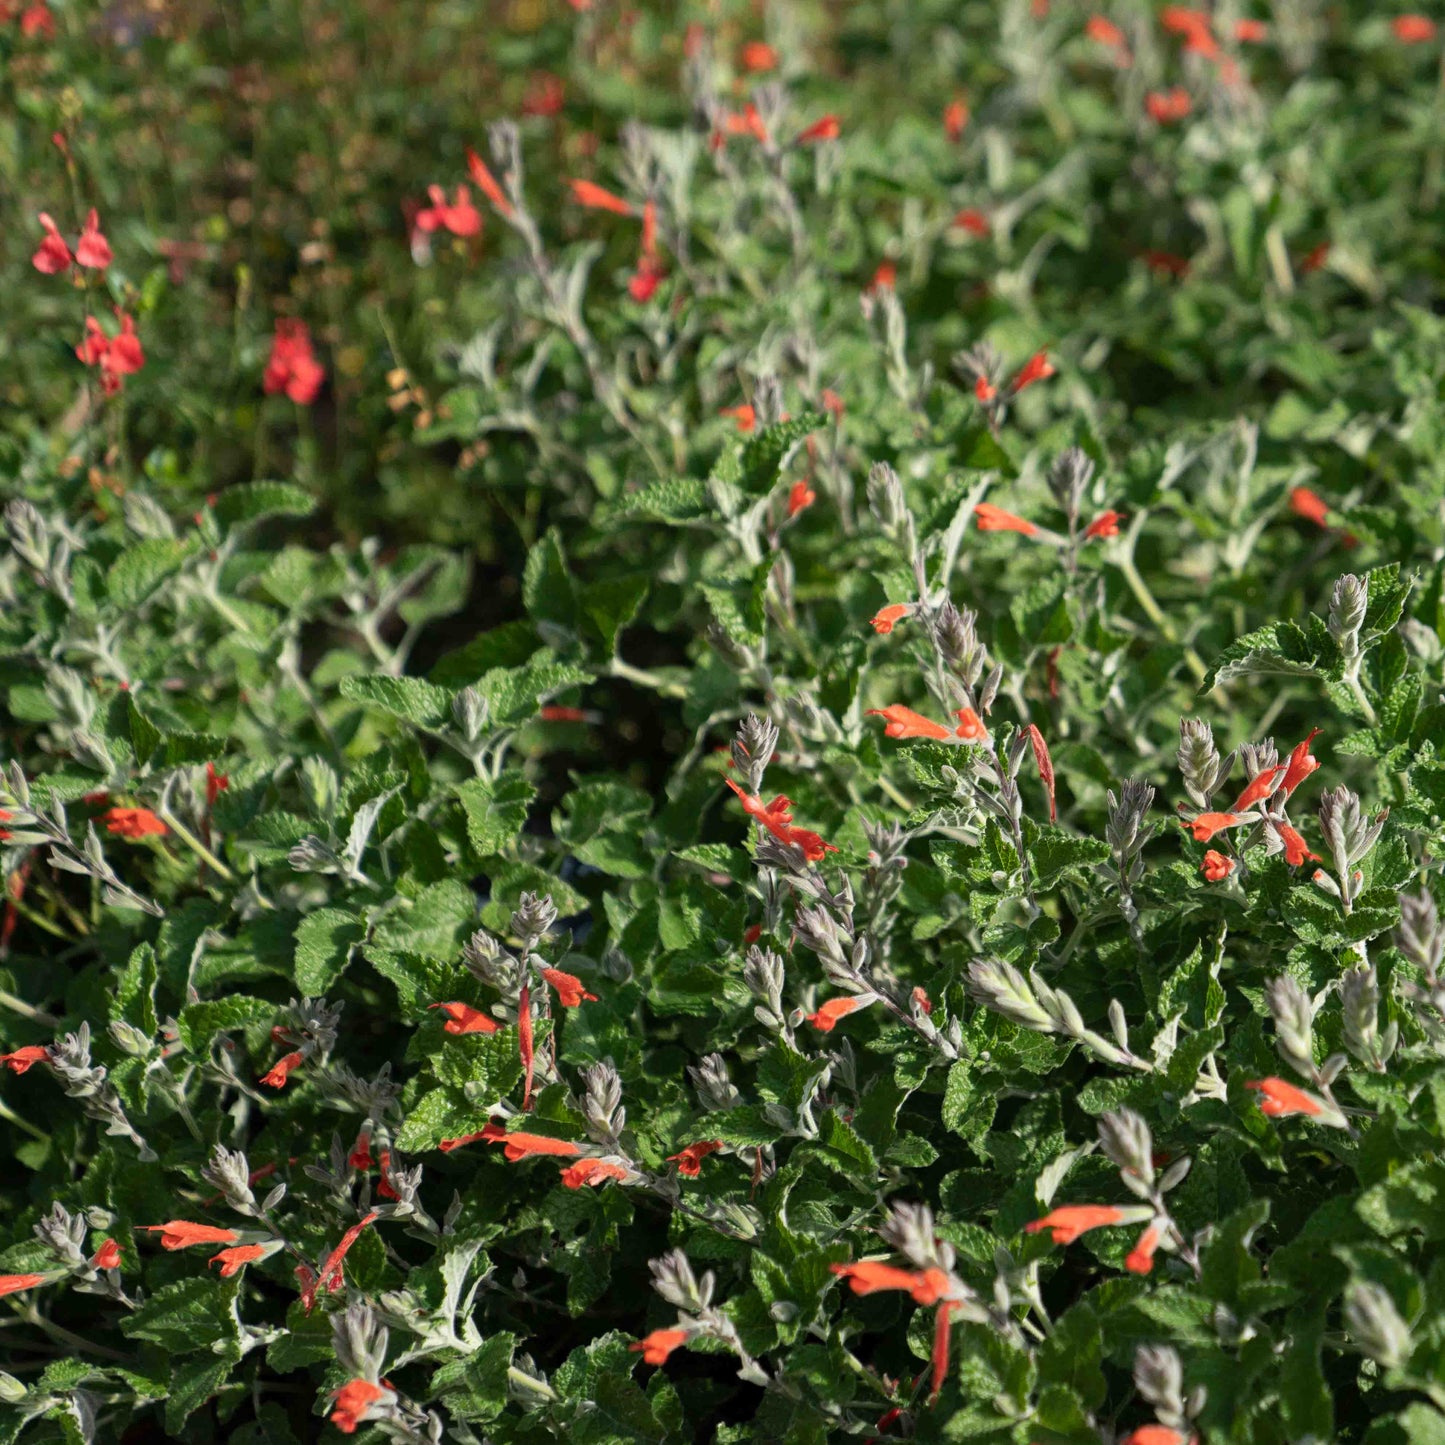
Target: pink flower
{"points": [[292, 367], [93, 250], [53, 255], [460, 217]]}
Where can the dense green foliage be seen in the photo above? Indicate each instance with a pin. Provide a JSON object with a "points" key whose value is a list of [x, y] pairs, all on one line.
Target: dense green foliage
{"points": [[472, 870]]}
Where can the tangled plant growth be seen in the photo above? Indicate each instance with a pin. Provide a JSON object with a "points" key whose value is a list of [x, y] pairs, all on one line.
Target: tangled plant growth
{"points": [[867, 864]]}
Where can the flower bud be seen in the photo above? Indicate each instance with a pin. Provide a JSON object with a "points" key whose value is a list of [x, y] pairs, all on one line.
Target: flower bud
{"points": [[1379, 1330], [1349, 601], [1125, 1139], [1293, 1016]]}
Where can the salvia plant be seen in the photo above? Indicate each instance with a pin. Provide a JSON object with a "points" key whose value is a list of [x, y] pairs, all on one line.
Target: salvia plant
{"points": [[718, 722]]}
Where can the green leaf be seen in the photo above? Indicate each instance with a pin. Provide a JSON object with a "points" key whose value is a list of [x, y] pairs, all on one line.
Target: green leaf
{"points": [[199, 1023], [134, 1001], [409, 698], [194, 1384], [476, 1388], [250, 501], [1057, 853], [324, 942], [141, 569], [192, 1314], [496, 810], [763, 453], [441, 1114]]}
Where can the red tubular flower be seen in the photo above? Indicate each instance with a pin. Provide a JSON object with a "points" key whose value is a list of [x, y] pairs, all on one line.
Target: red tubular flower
{"points": [[903, 722], [746, 417], [1168, 106], [1037, 368], [1296, 851], [1216, 867], [333, 1271], [921, 998], [1166, 262], [1282, 1099], [1251, 32], [275, 1077], [134, 823], [955, 119], [1206, 825], [1260, 787], [1140, 1259], [758, 56], [942, 1329], [1106, 524], [462, 1018], [777, 818], [594, 197], [528, 1146], [1309, 505], [827, 1017], [995, 519], [752, 933], [885, 277], [524, 1043], [833, 404], [181, 1234], [216, 784], [591, 1172], [970, 726], [4, 818], [107, 1256], [643, 283], [975, 223], [1068, 1222], [292, 367], [21, 1059], [1413, 29], [868, 1276], [657, 1346], [53, 255], [1315, 258], [1301, 764], [1046, 768], [14, 1283], [545, 95], [569, 988], [124, 356], [1194, 26], [447, 1145], [689, 1160], [486, 183], [460, 217], [351, 1402], [36, 21], [239, 1254], [360, 1156], [1105, 32], [801, 496], [93, 250], [555, 712], [887, 618], [985, 390], [826, 128], [383, 1182]]}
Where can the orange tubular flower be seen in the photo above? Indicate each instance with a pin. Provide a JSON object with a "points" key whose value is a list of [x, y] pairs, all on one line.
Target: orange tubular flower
{"points": [[826, 128], [970, 726], [942, 1329], [1141, 1257], [868, 1276], [827, 1017], [1413, 29], [352, 1401], [802, 495], [462, 1018], [1251, 32], [447, 1145], [1296, 851], [107, 1256], [1194, 26], [1206, 825], [1037, 368], [14, 1283], [1168, 106], [995, 519], [985, 391], [955, 119], [885, 277], [1309, 505], [1105, 32], [21, 1059], [1259, 788], [903, 722], [1068, 1222], [1046, 768], [239, 1254], [275, 1077], [1282, 1099], [134, 823], [524, 1043], [1301, 764], [529, 1146], [777, 818], [887, 618], [745, 416], [1106, 524], [1216, 867], [591, 1172], [596, 198], [333, 1271], [486, 183], [973, 221], [758, 55], [1155, 1435], [689, 1160], [569, 988], [181, 1234], [657, 1346]]}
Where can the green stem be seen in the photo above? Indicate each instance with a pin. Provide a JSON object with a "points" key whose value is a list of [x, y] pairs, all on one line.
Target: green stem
{"points": [[197, 847], [28, 1010]]}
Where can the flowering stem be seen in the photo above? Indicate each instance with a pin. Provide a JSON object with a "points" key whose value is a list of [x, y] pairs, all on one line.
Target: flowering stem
{"points": [[619, 668], [196, 846], [28, 1010], [1145, 597], [10, 1116]]}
